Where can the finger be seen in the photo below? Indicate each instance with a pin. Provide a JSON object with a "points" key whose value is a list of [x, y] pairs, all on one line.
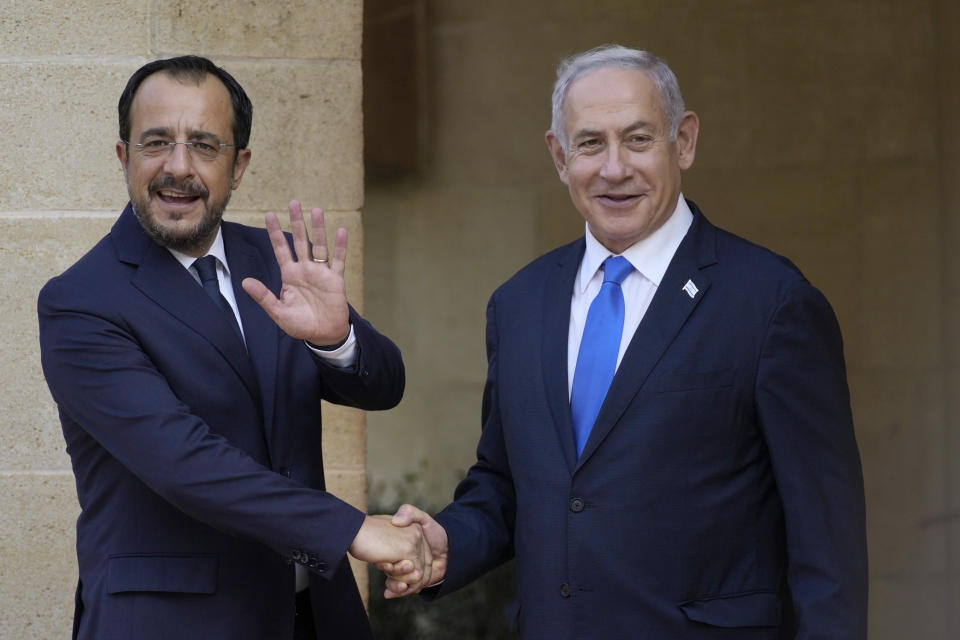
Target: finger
{"points": [[281, 249], [320, 251], [397, 569], [339, 261], [408, 514], [261, 295], [397, 587], [301, 243], [397, 590]]}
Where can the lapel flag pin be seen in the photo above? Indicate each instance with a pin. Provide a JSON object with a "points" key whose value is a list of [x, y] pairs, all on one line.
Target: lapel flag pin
{"points": [[691, 289]]}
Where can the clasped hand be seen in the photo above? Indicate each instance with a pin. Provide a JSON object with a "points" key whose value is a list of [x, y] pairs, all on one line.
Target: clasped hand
{"points": [[411, 548]]}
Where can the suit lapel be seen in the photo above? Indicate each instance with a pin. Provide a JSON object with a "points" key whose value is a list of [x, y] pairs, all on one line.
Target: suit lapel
{"points": [[261, 332], [162, 279], [672, 304], [556, 333]]}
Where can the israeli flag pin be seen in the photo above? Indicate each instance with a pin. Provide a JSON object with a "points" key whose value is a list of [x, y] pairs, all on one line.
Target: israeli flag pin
{"points": [[691, 289]]}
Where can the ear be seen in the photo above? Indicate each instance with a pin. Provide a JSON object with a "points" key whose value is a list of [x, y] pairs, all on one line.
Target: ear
{"points": [[558, 155], [687, 139], [239, 166], [121, 150]]}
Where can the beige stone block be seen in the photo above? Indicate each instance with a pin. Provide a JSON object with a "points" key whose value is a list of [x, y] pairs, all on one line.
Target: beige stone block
{"points": [[307, 134], [35, 248], [309, 29], [347, 483], [60, 125], [351, 221], [344, 438], [80, 27], [38, 567]]}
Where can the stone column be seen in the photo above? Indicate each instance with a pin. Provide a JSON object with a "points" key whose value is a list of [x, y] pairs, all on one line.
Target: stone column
{"points": [[62, 68]]}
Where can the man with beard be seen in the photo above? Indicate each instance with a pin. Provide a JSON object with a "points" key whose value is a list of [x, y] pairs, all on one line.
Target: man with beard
{"points": [[188, 358]]}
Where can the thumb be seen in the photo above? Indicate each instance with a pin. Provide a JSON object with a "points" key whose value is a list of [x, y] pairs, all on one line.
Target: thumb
{"points": [[260, 293], [406, 515]]}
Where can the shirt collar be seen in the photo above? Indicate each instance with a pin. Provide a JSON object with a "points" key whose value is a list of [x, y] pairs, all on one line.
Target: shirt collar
{"points": [[650, 256], [216, 250]]}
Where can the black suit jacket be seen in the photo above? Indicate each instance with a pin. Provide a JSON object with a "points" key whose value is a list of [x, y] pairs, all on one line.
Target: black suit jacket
{"points": [[719, 494], [199, 465]]}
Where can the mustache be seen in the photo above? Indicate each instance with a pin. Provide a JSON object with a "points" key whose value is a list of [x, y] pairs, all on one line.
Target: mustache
{"points": [[186, 186]]}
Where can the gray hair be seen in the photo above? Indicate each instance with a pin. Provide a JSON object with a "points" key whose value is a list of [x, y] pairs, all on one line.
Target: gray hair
{"points": [[614, 55]]}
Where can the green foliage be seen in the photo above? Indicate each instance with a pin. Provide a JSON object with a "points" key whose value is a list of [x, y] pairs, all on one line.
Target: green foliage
{"points": [[476, 612]]}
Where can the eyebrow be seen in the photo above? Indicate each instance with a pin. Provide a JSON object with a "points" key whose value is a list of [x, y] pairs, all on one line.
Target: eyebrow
{"points": [[167, 132], [590, 133]]}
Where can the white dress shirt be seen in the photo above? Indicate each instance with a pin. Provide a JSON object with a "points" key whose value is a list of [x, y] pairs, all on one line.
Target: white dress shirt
{"points": [[649, 257]]}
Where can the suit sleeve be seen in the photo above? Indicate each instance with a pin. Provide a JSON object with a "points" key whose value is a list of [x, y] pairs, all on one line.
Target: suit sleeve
{"points": [[377, 379], [804, 410], [480, 521], [104, 383]]}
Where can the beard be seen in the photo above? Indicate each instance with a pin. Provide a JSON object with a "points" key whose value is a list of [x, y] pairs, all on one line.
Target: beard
{"points": [[183, 240]]}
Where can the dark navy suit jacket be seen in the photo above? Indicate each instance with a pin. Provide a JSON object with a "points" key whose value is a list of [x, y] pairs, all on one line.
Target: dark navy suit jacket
{"points": [[199, 466], [720, 493]]}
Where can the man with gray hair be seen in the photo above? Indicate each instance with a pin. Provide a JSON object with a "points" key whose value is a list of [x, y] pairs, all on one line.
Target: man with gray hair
{"points": [[667, 448]]}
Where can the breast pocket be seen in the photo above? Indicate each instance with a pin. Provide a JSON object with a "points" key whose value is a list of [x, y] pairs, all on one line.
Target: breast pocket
{"points": [[162, 572]]}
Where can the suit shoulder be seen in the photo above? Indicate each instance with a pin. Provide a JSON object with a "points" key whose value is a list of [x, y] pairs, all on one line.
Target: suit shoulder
{"points": [[754, 262], [89, 274], [534, 272]]}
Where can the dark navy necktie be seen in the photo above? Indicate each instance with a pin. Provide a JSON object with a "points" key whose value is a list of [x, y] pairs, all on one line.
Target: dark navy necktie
{"points": [[207, 270], [597, 359]]}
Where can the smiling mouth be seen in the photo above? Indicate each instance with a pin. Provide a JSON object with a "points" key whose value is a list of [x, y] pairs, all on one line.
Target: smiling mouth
{"points": [[176, 197], [618, 198]]}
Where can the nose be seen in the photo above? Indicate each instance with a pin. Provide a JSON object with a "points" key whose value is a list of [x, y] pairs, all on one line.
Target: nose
{"points": [[178, 161], [614, 168]]}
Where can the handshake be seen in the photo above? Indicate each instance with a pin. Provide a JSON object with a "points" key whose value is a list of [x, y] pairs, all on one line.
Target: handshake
{"points": [[410, 548]]}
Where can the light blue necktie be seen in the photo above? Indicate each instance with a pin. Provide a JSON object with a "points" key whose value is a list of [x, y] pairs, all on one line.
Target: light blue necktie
{"points": [[597, 360]]}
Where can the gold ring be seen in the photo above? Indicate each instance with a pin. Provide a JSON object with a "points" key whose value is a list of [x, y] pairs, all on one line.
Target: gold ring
{"points": [[320, 260]]}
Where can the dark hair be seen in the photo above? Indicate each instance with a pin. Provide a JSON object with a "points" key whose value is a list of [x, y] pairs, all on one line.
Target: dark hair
{"points": [[194, 68]]}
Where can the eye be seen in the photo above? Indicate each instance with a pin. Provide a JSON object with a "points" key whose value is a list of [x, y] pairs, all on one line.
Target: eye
{"points": [[206, 147], [639, 140], [589, 144], [155, 144]]}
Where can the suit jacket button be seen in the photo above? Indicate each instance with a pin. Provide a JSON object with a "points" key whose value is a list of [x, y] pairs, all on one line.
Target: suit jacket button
{"points": [[320, 566], [565, 590], [576, 505]]}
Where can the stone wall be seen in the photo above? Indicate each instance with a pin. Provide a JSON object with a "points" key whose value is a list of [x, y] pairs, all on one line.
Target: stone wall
{"points": [[62, 68]]}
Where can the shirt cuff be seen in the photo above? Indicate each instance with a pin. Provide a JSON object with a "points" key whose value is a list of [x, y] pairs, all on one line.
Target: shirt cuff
{"points": [[343, 357]]}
